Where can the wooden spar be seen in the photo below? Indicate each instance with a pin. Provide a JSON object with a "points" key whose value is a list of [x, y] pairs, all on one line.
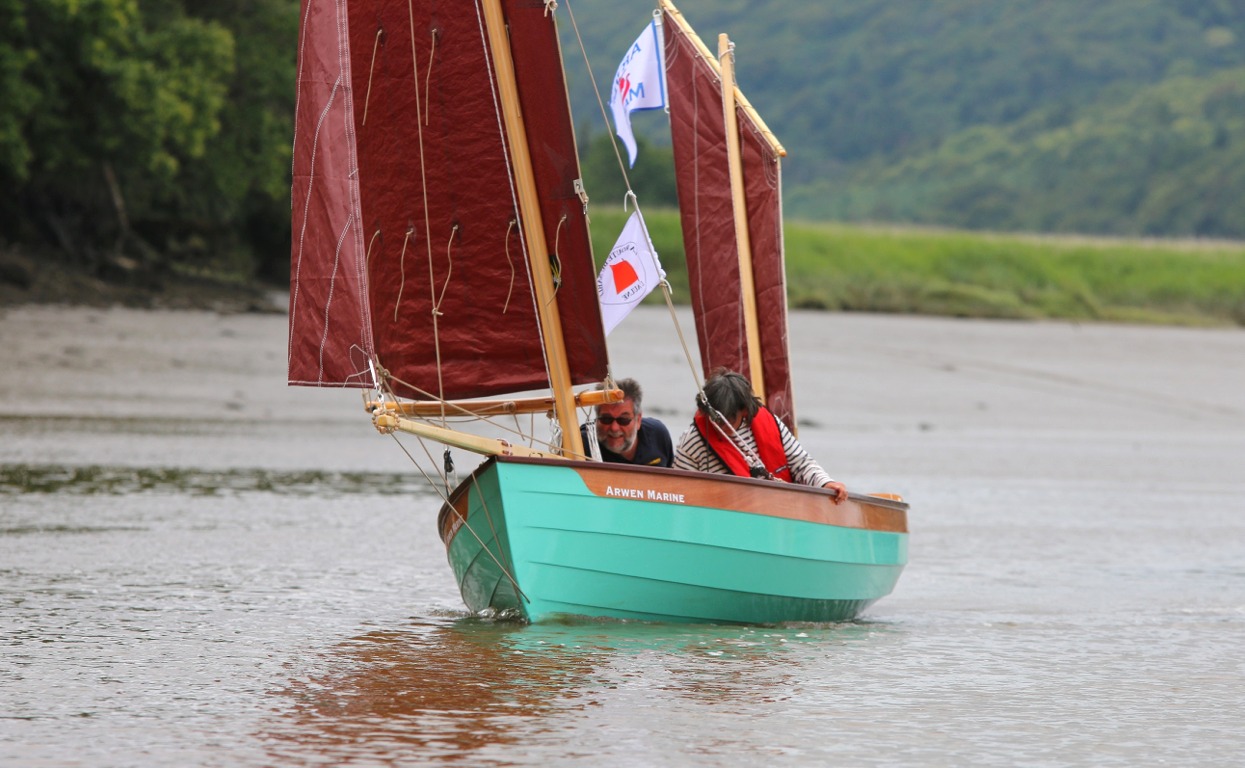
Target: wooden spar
{"points": [[743, 240], [533, 230], [387, 422], [588, 399], [742, 101]]}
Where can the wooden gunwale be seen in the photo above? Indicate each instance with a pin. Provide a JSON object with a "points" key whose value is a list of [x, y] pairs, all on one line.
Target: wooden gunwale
{"points": [[727, 492]]}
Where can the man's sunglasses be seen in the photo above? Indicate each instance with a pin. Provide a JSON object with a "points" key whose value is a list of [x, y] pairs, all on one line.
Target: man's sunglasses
{"points": [[623, 421]]}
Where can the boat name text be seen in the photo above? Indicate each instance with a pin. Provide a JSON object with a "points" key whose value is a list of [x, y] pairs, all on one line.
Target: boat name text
{"points": [[646, 494]]}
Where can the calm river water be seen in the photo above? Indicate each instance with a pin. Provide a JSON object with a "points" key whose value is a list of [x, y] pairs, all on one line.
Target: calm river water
{"points": [[199, 567]]}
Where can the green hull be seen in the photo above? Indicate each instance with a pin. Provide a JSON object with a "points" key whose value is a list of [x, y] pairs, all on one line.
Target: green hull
{"points": [[540, 543]]}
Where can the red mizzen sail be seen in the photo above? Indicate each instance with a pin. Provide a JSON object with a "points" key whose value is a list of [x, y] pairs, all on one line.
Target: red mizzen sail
{"points": [[694, 88], [407, 243]]}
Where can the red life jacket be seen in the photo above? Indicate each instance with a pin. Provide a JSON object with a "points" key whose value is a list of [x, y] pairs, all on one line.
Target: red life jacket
{"points": [[768, 439]]}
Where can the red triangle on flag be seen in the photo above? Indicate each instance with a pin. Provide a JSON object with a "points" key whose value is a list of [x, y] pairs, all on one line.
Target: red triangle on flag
{"points": [[624, 275]]}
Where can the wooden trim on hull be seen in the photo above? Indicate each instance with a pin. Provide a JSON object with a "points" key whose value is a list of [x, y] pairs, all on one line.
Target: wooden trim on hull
{"points": [[883, 512], [756, 497]]}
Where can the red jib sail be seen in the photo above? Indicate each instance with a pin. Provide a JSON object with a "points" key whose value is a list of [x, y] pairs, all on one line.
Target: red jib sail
{"points": [[408, 248], [694, 88]]}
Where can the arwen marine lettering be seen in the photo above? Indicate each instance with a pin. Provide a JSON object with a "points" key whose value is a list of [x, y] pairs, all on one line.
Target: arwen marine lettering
{"points": [[647, 494]]}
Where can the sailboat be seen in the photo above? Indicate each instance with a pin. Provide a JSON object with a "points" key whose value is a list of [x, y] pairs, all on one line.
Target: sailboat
{"points": [[441, 263]]}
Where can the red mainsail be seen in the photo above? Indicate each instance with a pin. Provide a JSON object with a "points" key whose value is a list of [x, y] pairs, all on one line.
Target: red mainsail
{"points": [[408, 249], [694, 88]]}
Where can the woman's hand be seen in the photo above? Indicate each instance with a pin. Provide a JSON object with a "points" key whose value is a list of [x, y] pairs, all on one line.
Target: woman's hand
{"points": [[840, 491]]}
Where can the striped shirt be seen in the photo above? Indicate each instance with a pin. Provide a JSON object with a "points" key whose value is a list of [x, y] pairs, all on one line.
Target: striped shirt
{"points": [[694, 453]]}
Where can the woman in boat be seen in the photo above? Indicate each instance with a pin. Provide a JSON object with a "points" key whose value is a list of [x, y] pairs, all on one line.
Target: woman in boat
{"points": [[733, 433], [626, 436]]}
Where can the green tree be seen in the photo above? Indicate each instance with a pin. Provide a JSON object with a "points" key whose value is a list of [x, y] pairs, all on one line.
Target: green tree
{"points": [[17, 94], [242, 184], [121, 108], [652, 178]]}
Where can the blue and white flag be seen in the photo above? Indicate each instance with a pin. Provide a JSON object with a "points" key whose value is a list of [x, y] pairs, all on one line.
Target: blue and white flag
{"points": [[630, 273], [638, 84]]}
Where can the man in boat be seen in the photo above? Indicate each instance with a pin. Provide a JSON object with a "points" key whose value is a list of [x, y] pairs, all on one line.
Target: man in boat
{"points": [[733, 433], [625, 436]]}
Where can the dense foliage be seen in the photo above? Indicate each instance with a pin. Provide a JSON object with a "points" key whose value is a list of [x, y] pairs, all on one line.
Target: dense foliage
{"points": [[148, 133], [144, 134]]}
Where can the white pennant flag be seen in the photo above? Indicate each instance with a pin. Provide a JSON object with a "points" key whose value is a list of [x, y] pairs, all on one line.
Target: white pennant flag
{"points": [[630, 273], [638, 84]]}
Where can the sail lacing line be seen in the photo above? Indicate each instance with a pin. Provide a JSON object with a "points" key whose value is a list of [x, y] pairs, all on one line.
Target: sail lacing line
{"points": [[510, 291], [367, 258], [397, 302], [436, 305], [432, 55], [555, 263], [367, 98]]}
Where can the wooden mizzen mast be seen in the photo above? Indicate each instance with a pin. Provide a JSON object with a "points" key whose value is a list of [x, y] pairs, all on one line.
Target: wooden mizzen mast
{"points": [[742, 239]]}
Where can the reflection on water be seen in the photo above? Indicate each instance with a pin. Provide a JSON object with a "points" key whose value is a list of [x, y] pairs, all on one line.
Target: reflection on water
{"points": [[439, 691], [472, 689]]}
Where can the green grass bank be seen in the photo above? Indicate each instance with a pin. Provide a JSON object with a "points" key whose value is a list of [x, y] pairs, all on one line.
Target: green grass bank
{"points": [[968, 274]]}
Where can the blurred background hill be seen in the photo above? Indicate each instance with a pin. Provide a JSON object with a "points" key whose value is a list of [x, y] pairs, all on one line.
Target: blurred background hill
{"points": [[146, 138], [1122, 117]]}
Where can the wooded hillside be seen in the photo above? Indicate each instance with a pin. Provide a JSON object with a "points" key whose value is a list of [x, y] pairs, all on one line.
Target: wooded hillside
{"points": [[1117, 116], [157, 132]]}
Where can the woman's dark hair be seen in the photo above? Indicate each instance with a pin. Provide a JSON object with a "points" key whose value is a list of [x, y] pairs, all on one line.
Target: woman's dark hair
{"points": [[728, 393]]}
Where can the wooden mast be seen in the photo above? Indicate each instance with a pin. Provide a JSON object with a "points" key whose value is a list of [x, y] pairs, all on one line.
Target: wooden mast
{"points": [[533, 231], [743, 240]]}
